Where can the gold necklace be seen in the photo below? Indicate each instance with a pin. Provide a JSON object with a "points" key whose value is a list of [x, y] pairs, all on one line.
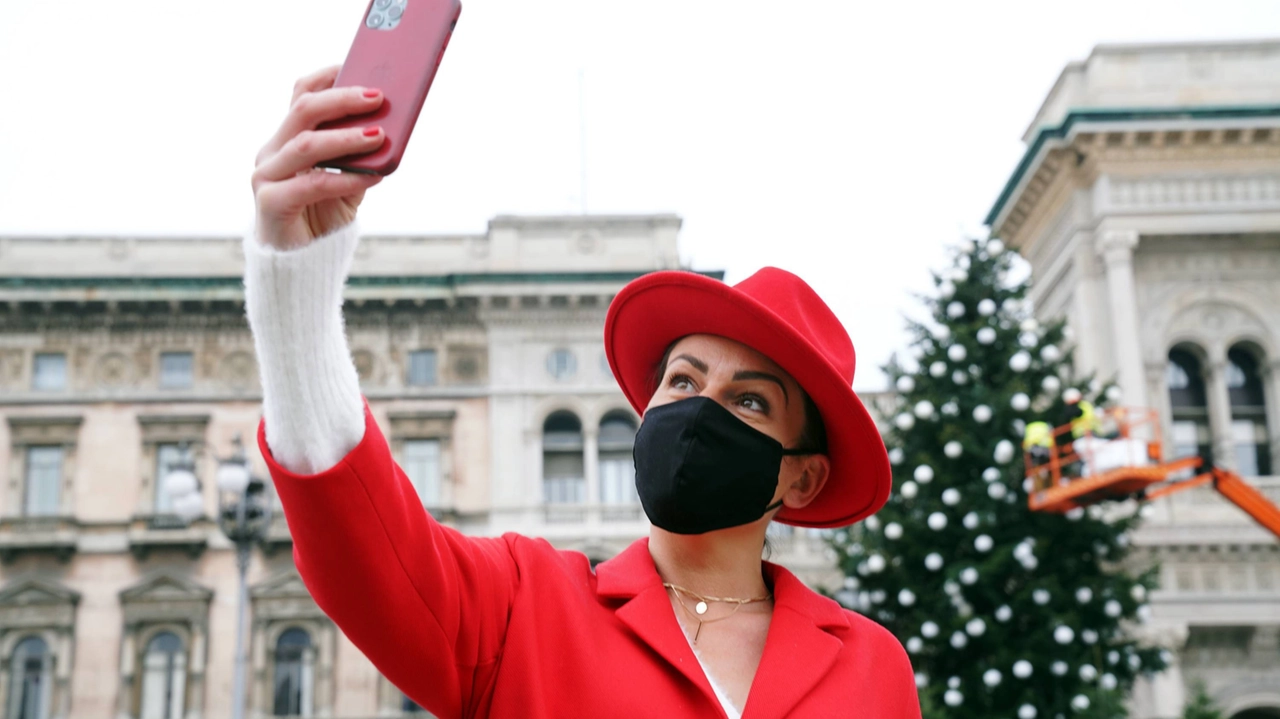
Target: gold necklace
{"points": [[700, 608]]}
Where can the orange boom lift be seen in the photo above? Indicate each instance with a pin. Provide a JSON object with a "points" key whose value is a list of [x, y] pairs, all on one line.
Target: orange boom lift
{"points": [[1130, 465]]}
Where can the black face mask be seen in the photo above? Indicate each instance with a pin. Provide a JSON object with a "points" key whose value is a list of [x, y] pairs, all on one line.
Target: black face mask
{"points": [[699, 468]]}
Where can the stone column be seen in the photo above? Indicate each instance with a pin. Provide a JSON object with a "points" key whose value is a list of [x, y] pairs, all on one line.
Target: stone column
{"points": [[1216, 394], [1271, 391], [1116, 249], [591, 467]]}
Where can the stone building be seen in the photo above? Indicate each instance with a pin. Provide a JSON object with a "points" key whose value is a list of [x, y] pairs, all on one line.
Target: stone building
{"points": [[481, 356], [1148, 204]]}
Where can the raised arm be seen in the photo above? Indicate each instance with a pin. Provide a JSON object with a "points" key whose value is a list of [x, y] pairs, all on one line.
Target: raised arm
{"points": [[426, 604]]}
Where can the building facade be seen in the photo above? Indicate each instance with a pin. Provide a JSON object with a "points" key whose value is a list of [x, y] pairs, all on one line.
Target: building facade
{"points": [[1148, 205], [482, 359]]}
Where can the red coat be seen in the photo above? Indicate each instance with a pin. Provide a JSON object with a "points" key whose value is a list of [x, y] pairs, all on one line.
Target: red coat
{"points": [[511, 627]]}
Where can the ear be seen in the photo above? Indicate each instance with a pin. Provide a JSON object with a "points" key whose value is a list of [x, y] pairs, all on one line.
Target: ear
{"points": [[815, 469]]}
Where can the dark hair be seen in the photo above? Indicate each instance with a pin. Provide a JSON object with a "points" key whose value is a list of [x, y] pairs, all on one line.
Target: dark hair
{"points": [[812, 437]]}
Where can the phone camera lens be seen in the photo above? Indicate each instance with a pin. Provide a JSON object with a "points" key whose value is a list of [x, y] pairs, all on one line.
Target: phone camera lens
{"points": [[375, 20], [382, 4], [395, 12]]}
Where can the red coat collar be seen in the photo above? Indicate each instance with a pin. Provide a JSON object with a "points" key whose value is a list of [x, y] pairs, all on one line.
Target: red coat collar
{"points": [[799, 649]]}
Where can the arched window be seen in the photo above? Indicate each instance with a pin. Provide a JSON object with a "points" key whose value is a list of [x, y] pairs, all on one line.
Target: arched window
{"points": [[294, 669], [617, 464], [30, 683], [164, 678], [1185, 380], [563, 474], [1248, 413]]}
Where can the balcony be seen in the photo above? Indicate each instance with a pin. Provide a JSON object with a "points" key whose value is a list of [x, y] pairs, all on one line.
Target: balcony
{"points": [[167, 532], [52, 536]]}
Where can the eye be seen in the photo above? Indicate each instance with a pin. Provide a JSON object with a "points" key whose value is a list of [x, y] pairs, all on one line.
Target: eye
{"points": [[754, 403], [680, 382]]}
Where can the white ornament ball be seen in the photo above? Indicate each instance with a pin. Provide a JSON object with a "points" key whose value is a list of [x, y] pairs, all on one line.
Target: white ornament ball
{"points": [[942, 334], [924, 409], [1088, 673], [955, 310], [969, 576], [917, 352], [1004, 613], [1113, 608], [1004, 451], [957, 353], [987, 307], [937, 521], [906, 384], [914, 644], [1030, 563], [1095, 385], [1050, 353], [895, 456], [953, 683], [1028, 340], [1075, 514], [933, 563], [1108, 682], [1059, 668], [924, 474], [946, 289], [1071, 394], [1022, 669], [959, 640], [976, 627], [1139, 593], [990, 474], [953, 698], [1080, 702], [982, 413], [986, 336], [1027, 485], [1020, 402], [953, 449], [959, 275], [1026, 711], [875, 563], [995, 490], [994, 247], [971, 520], [893, 530], [1063, 634], [1089, 636], [1051, 384], [951, 409], [1040, 596], [951, 497], [1084, 595], [938, 369], [872, 522], [1114, 393], [1113, 657], [1029, 325], [929, 630], [908, 490], [922, 680], [1020, 362], [983, 543], [904, 421], [991, 677]]}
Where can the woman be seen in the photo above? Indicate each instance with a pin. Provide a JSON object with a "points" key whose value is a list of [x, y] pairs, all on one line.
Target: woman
{"points": [[749, 417]]}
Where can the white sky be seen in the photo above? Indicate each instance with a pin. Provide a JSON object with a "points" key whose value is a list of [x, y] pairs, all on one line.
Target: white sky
{"points": [[848, 142]]}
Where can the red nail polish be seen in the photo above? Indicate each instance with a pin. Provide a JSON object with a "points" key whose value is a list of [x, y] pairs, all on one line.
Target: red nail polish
{"points": [[371, 131], [370, 92]]}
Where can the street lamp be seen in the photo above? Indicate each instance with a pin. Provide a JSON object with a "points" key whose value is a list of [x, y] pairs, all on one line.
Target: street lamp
{"points": [[244, 515]]}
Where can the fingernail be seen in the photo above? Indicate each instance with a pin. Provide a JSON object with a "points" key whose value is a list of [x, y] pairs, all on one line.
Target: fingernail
{"points": [[371, 92], [372, 131]]}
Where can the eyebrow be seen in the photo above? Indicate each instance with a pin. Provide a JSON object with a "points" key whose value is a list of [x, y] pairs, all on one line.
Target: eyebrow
{"points": [[740, 375]]}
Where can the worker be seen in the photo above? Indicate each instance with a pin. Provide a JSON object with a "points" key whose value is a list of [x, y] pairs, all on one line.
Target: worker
{"points": [[1037, 442]]}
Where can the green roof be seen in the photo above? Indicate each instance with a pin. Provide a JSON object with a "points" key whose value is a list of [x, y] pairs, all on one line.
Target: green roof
{"points": [[1045, 134]]}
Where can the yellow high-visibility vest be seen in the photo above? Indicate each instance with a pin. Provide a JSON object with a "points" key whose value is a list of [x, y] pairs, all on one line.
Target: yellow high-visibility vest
{"points": [[1038, 434], [1087, 422]]}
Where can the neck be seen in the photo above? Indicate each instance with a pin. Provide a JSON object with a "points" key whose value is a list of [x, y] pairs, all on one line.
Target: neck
{"points": [[724, 563]]}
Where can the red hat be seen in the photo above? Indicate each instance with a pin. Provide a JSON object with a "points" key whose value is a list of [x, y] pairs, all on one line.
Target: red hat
{"points": [[778, 315]]}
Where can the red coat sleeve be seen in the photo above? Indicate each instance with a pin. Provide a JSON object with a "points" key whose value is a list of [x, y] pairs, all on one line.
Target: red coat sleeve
{"points": [[426, 604]]}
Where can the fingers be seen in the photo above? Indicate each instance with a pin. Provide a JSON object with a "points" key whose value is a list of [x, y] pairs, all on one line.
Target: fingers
{"points": [[312, 108], [319, 80], [283, 199], [311, 147]]}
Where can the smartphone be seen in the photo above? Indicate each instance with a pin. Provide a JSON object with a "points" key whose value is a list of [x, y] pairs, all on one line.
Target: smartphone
{"points": [[397, 50]]}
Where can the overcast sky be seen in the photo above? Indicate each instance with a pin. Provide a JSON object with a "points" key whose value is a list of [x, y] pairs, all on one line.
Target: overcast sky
{"points": [[848, 142]]}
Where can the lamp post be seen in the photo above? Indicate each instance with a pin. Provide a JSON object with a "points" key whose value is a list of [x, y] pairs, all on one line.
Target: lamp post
{"points": [[244, 515]]}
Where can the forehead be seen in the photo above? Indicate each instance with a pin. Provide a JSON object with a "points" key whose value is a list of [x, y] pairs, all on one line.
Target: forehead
{"points": [[726, 354]]}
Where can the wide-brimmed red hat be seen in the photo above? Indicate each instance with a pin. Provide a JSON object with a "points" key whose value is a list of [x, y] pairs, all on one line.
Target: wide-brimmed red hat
{"points": [[780, 316]]}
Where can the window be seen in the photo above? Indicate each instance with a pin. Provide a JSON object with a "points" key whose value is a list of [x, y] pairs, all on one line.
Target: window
{"points": [[562, 364], [43, 480], [1248, 413], [617, 464], [50, 371], [294, 674], [563, 472], [164, 678], [422, 465], [30, 681], [422, 368], [1185, 381], [176, 370], [168, 456]]}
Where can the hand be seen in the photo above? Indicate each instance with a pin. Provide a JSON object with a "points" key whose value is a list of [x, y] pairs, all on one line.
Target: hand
{"points": [[297, 202]]}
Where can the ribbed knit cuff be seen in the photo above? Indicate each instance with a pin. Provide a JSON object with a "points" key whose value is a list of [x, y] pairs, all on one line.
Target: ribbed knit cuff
{"points": [[311, 402]]}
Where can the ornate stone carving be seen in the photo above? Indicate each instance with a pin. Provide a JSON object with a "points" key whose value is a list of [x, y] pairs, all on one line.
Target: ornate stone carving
{"points": [[114, 369], [238, 369], [1192, 193]]}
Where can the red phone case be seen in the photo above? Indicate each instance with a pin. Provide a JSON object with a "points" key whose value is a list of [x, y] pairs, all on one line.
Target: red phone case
{"points": [[400, 62]]}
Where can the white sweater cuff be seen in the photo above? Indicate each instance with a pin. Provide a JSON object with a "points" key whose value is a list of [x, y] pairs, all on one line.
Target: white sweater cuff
{"points": [[311, 400]]}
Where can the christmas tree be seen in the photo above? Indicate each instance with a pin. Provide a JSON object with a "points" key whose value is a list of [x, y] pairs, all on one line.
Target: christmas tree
{"points": [[1005, 612]]}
